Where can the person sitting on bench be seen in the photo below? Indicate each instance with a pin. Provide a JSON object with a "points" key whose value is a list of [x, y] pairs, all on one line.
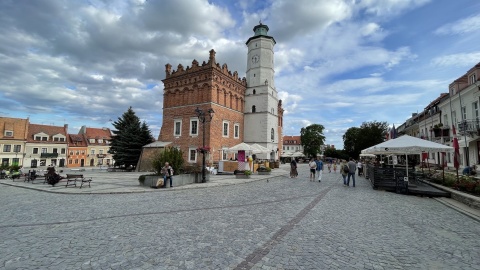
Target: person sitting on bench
{"points": [[470, 170]]}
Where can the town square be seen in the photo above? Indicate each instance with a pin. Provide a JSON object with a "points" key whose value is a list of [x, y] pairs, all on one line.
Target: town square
{"points": [[195, 134]]}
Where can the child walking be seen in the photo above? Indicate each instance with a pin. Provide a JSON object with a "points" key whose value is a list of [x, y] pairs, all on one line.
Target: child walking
{"points": [[335, 167]]}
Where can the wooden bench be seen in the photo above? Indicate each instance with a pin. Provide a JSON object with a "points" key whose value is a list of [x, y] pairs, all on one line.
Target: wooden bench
{"points": [[77, 177]]}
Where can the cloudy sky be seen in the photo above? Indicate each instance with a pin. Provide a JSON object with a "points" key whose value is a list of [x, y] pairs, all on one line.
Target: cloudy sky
{"points": [[338, 62]]}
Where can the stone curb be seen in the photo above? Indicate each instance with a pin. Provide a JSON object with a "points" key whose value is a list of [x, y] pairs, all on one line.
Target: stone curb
{"points": [[467, 199], [460, 207], [186, 187]]}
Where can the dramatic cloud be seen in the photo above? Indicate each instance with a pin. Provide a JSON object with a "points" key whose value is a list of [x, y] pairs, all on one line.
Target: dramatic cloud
{"points": [[338, 63]]}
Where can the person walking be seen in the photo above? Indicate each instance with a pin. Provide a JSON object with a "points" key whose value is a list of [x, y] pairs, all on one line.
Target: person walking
{"points": [[360, 167], [329, 166], [167, 172], [313, 167], [293, 169], [352, 167], [335, 167], [319, 169], [344, 170]]}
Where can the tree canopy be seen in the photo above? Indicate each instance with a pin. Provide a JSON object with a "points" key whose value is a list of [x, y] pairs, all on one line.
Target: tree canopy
{"points": [[312, 138], [129, 138], [368, 134]]}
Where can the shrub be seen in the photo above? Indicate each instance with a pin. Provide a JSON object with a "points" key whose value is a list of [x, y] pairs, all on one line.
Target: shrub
{"points": [[248, 172], [141, 179], [171, 155], [14, 168], [264, 169]]}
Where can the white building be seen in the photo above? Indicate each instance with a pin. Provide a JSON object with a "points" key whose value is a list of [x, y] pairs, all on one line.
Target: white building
{"points": [[461, 109], [46, 145]]}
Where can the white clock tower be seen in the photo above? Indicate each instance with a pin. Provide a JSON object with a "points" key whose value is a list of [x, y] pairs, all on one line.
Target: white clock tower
{"points": [[261, 101]]}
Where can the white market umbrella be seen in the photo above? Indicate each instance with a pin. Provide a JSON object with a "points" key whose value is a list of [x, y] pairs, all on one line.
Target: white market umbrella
{"points": [[298, 154], [260, 149], [241, 147], [406, 145]]}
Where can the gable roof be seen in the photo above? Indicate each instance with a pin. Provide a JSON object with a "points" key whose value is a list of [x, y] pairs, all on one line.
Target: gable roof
{"points": [[291, 140], [75, 140], [47, 129], [17, 125]]}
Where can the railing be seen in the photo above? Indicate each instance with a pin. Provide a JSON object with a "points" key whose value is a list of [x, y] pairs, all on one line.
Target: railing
{"points": [[101, 155], [469, 127], [49, 155]]}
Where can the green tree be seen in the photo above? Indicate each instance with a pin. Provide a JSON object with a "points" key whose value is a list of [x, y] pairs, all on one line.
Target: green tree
{"points": [[129, 138], [312, 138], [173, 156], [368, 134]]}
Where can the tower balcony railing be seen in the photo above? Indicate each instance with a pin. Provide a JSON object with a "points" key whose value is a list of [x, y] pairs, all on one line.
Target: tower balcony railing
{"points": [[469, 127]]}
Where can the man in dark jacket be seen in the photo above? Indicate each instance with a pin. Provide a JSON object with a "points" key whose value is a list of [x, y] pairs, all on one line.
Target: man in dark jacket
{"points": [[352, 167]]}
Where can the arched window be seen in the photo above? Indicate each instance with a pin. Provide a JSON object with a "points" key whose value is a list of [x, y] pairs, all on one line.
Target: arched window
{"points": [[272, 135], [273, 111], [254, 92], [253, 108]]}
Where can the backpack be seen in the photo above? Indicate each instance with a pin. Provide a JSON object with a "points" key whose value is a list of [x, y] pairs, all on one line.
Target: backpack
{"points": [[346, 169]]}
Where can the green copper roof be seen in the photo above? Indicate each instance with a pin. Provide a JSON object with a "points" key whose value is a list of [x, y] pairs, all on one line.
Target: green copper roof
{"points": [[261, 30]]}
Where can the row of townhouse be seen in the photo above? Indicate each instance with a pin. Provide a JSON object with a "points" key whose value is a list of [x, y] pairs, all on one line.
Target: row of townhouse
{"points": [[38, 146], [459, 109]]}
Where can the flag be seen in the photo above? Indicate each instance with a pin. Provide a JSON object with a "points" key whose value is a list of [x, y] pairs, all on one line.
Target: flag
{"points": [[456, 147], [394, 132]]}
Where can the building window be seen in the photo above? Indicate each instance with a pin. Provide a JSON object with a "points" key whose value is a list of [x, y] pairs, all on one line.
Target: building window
{"points": [[273, 111], [63, 151], [288, 147], [77, 152], [475, 109], [100, 151], [8, 133], [177, 130], [272, 134], [91, 140], [55, 150], [224, 154], [473, 78], [236, 131], [254, 92], [100, 140], [38, 138], [76, 161], [254, 109], [15, 161], [71, 153], [56, 139], [7, 148], [225, 129], [35, 151], [17, 148], [62, 139], [454, 118], [83, 152], [92, 152], [192, 155], [464, 113], [70, 161], [44, 150], [193, 127], [44, 138], [445, 120]]}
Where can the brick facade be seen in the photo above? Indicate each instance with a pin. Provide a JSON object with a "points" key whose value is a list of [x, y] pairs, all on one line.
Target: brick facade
{"points": [[209, 86]]}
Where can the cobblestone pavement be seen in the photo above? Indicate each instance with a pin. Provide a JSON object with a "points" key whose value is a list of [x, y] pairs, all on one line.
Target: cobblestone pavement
{"points": [[280, 224]]}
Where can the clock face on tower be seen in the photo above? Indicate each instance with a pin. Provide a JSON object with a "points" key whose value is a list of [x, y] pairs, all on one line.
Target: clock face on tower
{"points": [[255, 59]]}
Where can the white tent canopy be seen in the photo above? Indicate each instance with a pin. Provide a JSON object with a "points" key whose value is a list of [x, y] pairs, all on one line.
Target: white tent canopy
{"points": [[242, 147], [407, 145], [260, 149], [298, 154]]}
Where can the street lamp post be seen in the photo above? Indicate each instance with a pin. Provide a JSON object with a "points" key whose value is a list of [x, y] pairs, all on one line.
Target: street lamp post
{"points": [[204, 117]]}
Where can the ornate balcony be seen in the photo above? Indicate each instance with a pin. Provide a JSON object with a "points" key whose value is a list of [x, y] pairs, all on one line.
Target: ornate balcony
{"points": [[49, 155], [469, 127]]}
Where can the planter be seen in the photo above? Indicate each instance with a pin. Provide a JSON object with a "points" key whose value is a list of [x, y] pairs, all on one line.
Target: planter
{"points": [[178, 180], [242, 176], [264, 173]]}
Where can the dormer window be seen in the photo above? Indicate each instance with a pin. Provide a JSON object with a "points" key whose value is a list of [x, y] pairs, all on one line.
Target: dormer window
{"points": [[91, 140], [100, 140], [8, 133]]}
